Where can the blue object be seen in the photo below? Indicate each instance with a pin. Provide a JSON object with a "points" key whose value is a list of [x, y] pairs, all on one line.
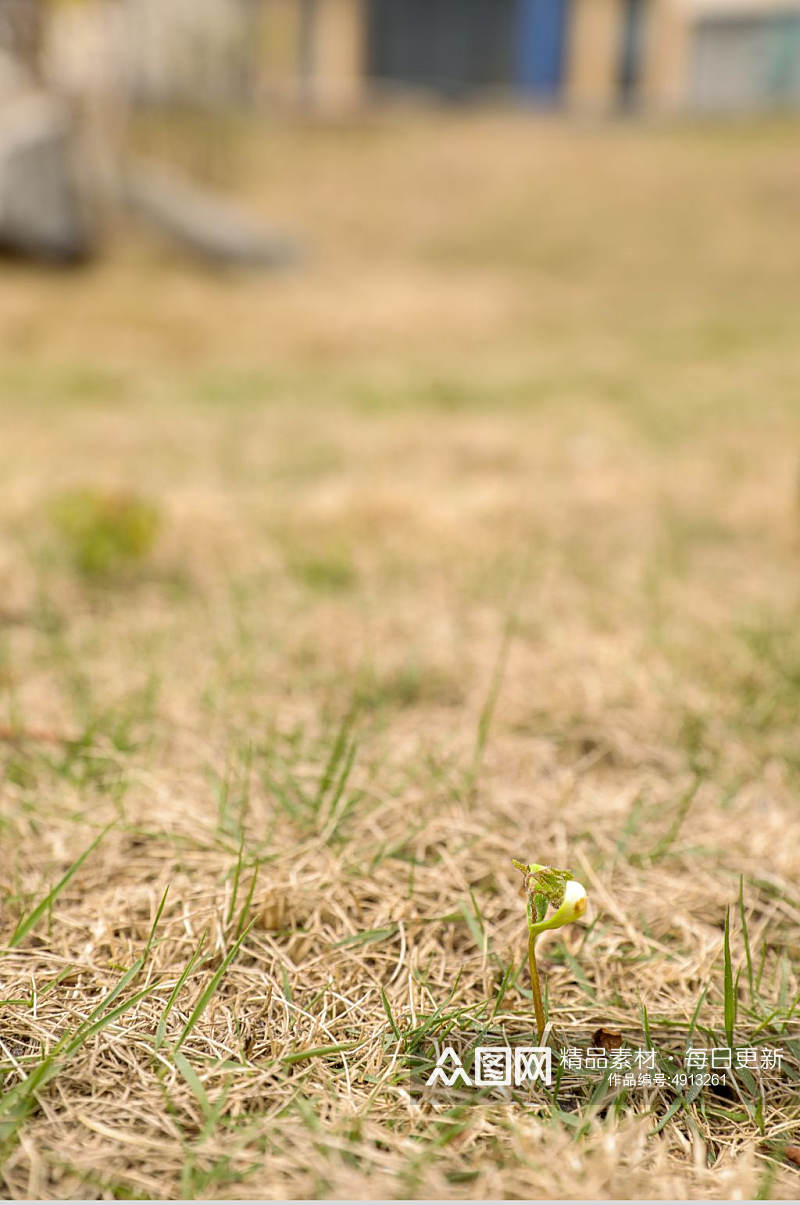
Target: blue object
{"points": [[539, 46]]}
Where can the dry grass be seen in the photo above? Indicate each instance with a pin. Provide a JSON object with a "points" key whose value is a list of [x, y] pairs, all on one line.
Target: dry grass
{"points": [[531, 376]]}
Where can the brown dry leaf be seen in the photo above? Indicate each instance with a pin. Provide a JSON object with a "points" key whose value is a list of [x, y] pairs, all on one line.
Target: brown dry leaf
{"points": [[606, 1039]]}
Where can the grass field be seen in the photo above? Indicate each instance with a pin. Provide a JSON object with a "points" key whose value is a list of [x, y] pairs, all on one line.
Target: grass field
{"points": [[478, 539]]}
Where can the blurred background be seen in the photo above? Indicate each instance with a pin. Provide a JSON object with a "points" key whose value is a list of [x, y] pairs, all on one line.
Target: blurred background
{"points": [[398, 473], [112, 67], [333, 54], [375, 307]]}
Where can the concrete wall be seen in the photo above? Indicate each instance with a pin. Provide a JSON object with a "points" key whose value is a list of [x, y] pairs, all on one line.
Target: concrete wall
{"points": [[698, 54], [279, 51], [666, 62], [339, 55], [592, 54], [313, 52], [703, 54]]}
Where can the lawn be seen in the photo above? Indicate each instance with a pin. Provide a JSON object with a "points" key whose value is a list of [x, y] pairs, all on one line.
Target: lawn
{"points": [[324, 594]]}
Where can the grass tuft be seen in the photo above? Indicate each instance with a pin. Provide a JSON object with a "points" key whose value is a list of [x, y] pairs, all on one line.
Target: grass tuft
{"points": [[105, 532]]}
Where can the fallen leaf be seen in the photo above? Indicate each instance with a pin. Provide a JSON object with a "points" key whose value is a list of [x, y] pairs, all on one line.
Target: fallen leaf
{"points": [[606, 1039]]}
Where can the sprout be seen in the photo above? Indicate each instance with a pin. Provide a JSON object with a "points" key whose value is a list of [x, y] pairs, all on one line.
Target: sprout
{"points": [[546, 887]]}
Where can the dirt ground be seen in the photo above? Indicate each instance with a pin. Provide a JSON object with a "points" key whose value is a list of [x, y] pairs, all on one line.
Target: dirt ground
{"points": [[478, 539]]}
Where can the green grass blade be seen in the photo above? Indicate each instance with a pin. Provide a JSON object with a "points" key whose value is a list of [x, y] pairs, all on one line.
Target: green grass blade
{"points": [[677, 1103], [240, 924], [696, 1014], [746, 936], [646, 1026], [193, 1080], [730, 994], [17, 1104], [388, 1010], [337, 754], [27, 922], [474, 923], [154, 926], [578, 975], [493, 694], [23, 1091], [237, 874], [505, 983], [127, 978], [300, 1056], [663, 846], [161, 1028], [287, 987], [368, 936], [83, 1034], [339, 790], [214, 983]]}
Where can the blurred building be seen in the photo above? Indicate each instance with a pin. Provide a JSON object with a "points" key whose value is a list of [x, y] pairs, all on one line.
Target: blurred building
{"points": [[453, 47], [195, 52], [707, 55], [593, 54], [313, 51], [458, 47], [223, 53], [696, 55], [600, 54]]}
